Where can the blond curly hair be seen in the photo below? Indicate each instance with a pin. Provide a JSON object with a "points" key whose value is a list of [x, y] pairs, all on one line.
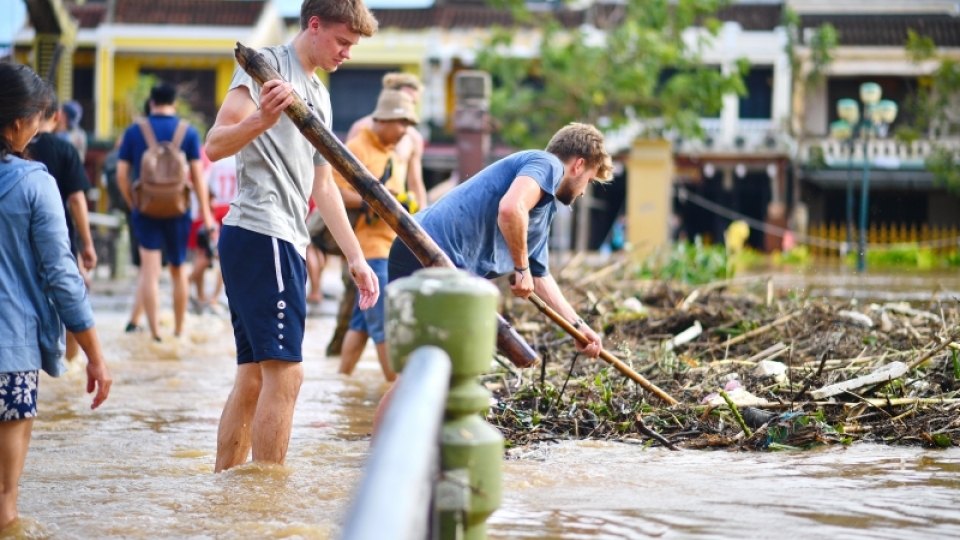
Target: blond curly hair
{"points": [[583, 141]]}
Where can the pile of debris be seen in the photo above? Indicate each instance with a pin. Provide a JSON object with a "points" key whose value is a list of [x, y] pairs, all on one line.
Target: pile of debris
{"points": [[752, 369]]}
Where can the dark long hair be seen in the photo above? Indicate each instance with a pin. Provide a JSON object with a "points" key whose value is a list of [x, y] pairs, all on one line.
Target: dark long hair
{"points": [[22, 95]]}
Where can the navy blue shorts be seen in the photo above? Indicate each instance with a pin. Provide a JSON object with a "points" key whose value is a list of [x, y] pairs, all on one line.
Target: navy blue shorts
{"points": [[171, 235], [370, 322], [403, 262], [18, 395], [266, 283]]}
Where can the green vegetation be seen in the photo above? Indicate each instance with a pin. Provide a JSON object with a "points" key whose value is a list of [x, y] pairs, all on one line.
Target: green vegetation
{"points": [[906, 256], [936, 109], [139, 94], [690, 263], [694, 263], [638, 68]]}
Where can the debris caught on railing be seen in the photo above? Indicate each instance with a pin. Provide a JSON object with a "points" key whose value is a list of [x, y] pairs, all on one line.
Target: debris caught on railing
{"points": [[829, 371]]}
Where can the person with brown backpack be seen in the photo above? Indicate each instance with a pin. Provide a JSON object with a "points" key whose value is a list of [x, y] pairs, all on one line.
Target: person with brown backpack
{"points": [[162, 153]]}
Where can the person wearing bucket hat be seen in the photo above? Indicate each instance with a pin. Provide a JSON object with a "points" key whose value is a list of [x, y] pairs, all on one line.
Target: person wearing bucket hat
{"points": [[374, 147], [408, 164]]}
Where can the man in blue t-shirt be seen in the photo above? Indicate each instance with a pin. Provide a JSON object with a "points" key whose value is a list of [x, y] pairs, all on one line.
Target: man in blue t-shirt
{"points": [[170, 234], [498, 222]]}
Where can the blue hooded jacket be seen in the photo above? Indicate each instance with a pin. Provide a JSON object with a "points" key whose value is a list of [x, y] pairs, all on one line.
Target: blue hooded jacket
{"points": [[40, 286]]}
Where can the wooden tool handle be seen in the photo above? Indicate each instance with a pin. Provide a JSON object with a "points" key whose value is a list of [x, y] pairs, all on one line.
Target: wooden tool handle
{"points": [[606, 356]]}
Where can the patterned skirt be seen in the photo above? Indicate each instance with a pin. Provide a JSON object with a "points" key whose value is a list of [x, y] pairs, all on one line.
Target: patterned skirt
{"points": [[18, 395]]}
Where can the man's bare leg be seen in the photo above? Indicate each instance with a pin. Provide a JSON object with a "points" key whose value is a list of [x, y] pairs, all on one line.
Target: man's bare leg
{"points": [[217, 287], [235, 432], [181, 294], [200, 263], [353, 344], [388, 372], [315, 263], [137, 311], [148, 287], [14, 440], [273, 421], [383, 406]]}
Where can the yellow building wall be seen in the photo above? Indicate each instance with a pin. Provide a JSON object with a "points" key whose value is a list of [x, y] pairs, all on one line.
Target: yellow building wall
{"points": [[22, 56], [127, 71], [225, 70], [649, 194]]}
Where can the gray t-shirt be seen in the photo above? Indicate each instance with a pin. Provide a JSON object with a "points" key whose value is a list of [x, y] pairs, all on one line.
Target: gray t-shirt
{"points": [[275, 172], [464, 221]]}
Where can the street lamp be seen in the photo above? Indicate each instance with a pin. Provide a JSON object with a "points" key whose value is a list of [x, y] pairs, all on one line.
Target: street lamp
{"points": [[877, 116]]}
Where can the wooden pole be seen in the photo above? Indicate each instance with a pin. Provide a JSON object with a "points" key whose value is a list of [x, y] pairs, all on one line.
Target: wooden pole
{"points": [[376, 196], [604, 355]]}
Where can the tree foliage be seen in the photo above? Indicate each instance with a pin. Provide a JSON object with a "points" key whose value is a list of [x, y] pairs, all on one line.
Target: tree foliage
{"points": [[643, 65], [821, 46], [137, 97], [936, 109]]}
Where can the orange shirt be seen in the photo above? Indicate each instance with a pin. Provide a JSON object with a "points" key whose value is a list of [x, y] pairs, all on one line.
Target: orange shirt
{"points": [[376, 237]]}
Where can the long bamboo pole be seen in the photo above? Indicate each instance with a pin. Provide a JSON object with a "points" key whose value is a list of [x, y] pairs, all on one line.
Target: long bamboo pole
{"points": [[369, 187], [604, 354]]}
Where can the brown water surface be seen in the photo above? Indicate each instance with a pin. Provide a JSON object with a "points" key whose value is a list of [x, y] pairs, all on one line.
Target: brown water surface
{"points": [[142, 466]]}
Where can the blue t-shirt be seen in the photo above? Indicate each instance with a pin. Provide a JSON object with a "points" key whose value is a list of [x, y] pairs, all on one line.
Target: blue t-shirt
{"points": [[134, 145], [464, 221]]}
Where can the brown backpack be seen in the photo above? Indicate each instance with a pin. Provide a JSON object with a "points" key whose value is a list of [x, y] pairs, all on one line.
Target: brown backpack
{"points": [[163, 189]]}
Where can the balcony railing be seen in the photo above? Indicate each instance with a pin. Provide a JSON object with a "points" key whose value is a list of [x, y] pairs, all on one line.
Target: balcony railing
{"points": [[748, 135], [882, 153]]}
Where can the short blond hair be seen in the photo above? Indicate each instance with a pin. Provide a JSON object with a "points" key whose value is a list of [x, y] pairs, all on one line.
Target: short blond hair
{"points": [[582, 141], [353, 13], [399, 81]]}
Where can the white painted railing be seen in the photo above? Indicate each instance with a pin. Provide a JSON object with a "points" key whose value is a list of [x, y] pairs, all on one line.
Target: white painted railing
{"points": [[749, 135], [835, 152]]}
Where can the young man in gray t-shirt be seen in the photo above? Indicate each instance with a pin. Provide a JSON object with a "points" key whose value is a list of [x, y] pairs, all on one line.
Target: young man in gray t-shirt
{"points": [[264, 238]]}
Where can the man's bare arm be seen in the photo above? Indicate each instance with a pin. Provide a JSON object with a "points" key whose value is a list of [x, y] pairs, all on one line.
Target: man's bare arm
{"points": [[78, 210], [203, 195], [513, 217], [329, 202], [548, 291], [240, 120], [415, 168], [123, 181], [351, 199]]}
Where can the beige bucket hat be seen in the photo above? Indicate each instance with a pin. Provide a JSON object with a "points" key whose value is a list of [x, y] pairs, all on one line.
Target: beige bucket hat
{"points": [[395, 105]]}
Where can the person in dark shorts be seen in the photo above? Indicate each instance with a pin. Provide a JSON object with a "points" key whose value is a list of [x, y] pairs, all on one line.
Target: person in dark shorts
{"points": [[40, 284], [374, 149], [167, 234], [264, 239]]}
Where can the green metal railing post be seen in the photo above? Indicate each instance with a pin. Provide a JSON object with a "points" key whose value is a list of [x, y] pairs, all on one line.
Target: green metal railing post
{"points": [[457, 312]]}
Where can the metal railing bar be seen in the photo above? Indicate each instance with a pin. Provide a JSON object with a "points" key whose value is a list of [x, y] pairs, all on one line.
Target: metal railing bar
{"points": [[393, 502]]}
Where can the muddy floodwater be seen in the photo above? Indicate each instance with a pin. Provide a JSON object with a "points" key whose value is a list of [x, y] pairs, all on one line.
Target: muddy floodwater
{"points": [[142, 465]]}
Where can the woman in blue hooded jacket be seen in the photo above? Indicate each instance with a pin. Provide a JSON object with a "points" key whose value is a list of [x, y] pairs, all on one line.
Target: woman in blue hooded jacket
{"points": [[40, 287]]}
